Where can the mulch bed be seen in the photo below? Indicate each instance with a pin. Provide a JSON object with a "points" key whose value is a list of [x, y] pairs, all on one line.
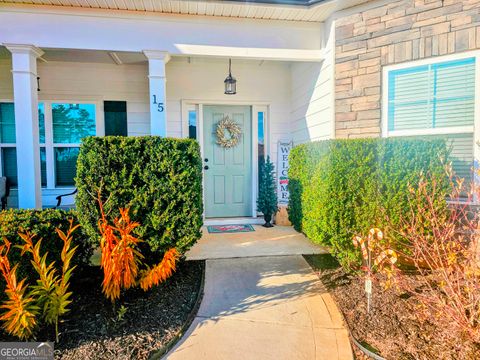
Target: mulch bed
{"points": [[390, 329], [93, 330]]}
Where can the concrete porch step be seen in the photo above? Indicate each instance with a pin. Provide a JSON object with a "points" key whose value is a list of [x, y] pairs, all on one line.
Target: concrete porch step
{"points": [[279, 240]]}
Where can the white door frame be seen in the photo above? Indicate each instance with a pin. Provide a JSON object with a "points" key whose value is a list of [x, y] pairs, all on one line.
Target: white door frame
{"points": [[256, 107]]}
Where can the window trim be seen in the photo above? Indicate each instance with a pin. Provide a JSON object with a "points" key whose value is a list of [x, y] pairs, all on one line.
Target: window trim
{"points": [[49, 145], [434, 131], [6, 145], [475, 129]]}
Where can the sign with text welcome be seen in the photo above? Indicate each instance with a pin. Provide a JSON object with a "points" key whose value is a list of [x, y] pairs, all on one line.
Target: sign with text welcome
{"points": [[282, 171]]}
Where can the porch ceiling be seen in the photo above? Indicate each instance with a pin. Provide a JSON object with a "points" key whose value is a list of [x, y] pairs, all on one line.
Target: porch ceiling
{"points": [[292, 10]]}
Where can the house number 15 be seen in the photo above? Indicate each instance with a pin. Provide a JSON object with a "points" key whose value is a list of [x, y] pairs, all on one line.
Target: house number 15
{"points": [[160, 106]]}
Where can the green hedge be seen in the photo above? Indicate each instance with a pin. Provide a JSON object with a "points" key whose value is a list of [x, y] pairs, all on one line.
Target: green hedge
{"points": [[159, 179], [43, 223], [339, 188]]}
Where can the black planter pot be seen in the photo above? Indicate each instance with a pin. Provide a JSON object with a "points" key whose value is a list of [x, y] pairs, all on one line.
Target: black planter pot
{"points": [[268, 219]]}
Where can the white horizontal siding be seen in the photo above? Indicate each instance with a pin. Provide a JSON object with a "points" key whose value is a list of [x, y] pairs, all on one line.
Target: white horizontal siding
{"points": [[461, 155], [312, 111], [201, 80]]}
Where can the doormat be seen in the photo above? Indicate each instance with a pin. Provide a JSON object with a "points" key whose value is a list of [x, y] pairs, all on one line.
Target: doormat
{"points": [[218, 229]]}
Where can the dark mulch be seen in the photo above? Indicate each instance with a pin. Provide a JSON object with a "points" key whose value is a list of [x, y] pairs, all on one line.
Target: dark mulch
{"points": [[391, 328], [93, 330]]}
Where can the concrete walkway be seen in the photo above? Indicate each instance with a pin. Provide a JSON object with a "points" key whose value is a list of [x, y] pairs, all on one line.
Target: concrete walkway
{"points": [[264, 308]]}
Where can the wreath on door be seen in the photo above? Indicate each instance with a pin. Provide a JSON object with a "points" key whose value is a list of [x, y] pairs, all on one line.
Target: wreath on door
{"points": [[228, 133]]}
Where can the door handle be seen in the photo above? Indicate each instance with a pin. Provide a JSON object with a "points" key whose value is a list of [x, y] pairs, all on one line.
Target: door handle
{"points": [[206, 167]]}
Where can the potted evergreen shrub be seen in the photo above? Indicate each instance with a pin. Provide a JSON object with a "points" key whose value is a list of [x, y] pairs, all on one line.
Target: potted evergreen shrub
{"points": [[267, 196]]}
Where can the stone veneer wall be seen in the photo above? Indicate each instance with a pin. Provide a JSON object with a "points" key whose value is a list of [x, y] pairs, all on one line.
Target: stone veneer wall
{"points": [[390, 33]]}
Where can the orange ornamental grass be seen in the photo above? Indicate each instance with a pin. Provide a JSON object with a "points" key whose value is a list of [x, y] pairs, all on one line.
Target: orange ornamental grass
{"points": [[161, 272], [120, 256], [121, 259], [19, 319]]}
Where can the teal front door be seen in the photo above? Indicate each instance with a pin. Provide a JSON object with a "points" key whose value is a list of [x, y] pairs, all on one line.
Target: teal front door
{"points": [[228, 171]]}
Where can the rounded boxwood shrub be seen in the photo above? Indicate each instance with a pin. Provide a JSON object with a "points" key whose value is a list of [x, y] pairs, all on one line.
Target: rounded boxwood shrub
{"points": [[341, 188], [158, 179], [43, 223]]}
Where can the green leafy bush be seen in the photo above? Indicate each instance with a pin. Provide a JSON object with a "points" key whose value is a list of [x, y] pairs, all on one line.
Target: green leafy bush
{"points": [[42, 223], [339, 188], [158, 179]]}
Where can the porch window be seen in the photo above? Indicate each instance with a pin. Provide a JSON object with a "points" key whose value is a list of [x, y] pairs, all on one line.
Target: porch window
{"points": [[65, 165], [43, 152], [260, 140], [70, 123], [435, 99], [261, 135], [9, 165], [43, 166], [8, 152], [59, 146], [7, 123], [41, 122], [192, 124]]}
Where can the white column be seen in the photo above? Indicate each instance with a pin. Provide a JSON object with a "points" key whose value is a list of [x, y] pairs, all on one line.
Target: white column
{"points": [[24, 69], [158, 99]]}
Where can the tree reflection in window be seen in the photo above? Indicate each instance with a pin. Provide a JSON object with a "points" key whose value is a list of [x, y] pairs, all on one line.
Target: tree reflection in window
{"points": [[41, 123], [261, 141], [72, 122], [65, 166]]}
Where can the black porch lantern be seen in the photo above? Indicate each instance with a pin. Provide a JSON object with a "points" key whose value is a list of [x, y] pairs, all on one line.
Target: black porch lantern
{"points": [[230, 81]]}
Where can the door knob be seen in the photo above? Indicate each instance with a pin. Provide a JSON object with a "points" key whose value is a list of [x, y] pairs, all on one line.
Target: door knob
{"points": [[206, 167], [206, 160]]}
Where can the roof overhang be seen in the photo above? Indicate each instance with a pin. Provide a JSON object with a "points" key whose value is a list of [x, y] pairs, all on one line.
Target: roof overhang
{"points": [[289, 10], [279, 2]]}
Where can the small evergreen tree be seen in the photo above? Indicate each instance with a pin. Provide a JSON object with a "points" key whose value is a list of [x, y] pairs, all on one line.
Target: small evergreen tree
{"points": [[267, 196]]}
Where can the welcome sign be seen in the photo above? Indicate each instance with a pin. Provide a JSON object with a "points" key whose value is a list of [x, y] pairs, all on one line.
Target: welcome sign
{"points": [[282, 171]]}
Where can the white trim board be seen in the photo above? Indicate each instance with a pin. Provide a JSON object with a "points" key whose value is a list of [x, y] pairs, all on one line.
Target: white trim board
{"points": [[433, 131], [265, 39]]}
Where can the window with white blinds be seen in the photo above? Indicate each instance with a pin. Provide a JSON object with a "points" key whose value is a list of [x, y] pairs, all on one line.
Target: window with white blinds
{"points": [[435, 100], [433, 96]]}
